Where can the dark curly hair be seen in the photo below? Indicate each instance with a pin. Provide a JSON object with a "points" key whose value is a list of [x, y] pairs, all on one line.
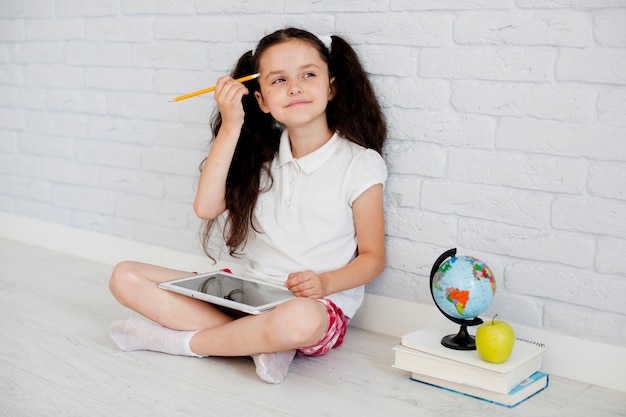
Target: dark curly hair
{"points": [[354, 113]]}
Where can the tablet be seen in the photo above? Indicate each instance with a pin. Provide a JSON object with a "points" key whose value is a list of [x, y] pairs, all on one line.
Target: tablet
{"points": [[232, 292]]}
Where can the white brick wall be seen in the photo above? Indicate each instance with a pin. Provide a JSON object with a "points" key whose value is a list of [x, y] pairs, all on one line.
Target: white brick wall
{"points": [[507, 132]]}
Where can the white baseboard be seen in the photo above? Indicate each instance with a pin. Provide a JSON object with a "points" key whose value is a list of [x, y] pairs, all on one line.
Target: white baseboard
{"points": [[573, 358]]}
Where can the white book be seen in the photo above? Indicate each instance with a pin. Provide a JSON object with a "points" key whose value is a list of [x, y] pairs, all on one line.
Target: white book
{"points": [[423, 353], [530, 386]]}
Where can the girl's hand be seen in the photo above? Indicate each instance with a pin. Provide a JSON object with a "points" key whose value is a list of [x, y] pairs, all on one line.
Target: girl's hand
{"points": [[228, 95], [305, 284]]}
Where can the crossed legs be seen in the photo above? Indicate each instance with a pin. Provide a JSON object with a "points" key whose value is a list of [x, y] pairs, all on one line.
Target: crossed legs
{"points": [[202, 330]]}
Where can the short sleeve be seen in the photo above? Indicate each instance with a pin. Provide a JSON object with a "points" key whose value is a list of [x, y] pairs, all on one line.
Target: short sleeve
{"points": [[368, 169]]}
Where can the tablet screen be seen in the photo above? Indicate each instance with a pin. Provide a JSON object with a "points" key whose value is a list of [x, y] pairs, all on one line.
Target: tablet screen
{"points": [[235, 289]]}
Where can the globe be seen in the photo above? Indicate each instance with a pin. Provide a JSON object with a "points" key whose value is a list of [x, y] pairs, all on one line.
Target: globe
{"points": [[462, 288]]}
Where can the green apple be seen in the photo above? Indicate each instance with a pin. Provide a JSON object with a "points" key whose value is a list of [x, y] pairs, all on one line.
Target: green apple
{"points": [[495, 340]]}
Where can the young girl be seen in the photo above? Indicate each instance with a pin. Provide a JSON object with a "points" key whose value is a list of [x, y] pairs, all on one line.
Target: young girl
{"points": [[296, 169]]}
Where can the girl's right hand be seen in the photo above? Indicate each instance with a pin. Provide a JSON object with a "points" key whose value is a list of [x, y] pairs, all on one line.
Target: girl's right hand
{"points": [[228, 95]]}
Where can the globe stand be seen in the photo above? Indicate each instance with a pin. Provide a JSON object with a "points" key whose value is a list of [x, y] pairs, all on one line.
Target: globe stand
{"points": [[462, 340]]}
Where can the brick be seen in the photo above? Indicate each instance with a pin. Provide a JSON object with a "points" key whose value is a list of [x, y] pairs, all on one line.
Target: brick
{"points": [[177, 82], [560, 4], [412, 93], [515, 27], [354, 6], [132, 181], [62, 124], [104, 153], [82, 198], [527, 243], [172, 55], [609, 28], [104, 223], [422, 226], [194, 28], [22, 98], [402, 191], [38, 52], [57, 29], [171, 160], [592, 65], [588, 323], [25, 188], [241, 8], [119, 29], [12, 119], [592, 141], [416, 158], [20, 165], [151, 210], [119, 79], [142, 106], [160, 7], [612, 107], [46, 145], [397, 61], [589, 215], [531, 172], [65, 171], [76, 101], [514, 308], [610, 257], [506, 64], [97, 53], [28, 9], [411, 256], [517, 207], [573, 104], [405, 5], [183, 239], [87, 8], [129, 130], [180, 188], [607, 180], [11, 30], [572, 286], [43, 210], [414, 29], [446, 128], [54, 75]]}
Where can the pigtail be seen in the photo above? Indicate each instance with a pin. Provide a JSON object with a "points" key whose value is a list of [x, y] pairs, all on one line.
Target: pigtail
{"points": [[257, 145], [354, 111]]}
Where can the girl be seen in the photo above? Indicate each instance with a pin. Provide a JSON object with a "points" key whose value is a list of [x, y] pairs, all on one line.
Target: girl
{"points": [[296, 170]]}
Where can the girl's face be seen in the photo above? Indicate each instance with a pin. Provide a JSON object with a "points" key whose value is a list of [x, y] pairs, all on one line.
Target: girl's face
{"points": [[295, 84]]}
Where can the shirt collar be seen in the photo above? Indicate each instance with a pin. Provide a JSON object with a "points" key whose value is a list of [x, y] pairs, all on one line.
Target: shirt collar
{"points": [[310, 162]]}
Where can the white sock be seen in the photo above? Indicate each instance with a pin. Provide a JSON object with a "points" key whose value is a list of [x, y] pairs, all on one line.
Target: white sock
{"points": [[273, 367], [136, 334]]}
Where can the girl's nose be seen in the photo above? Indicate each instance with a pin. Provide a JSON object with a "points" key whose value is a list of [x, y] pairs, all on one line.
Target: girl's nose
{"points": [[294, 89]]}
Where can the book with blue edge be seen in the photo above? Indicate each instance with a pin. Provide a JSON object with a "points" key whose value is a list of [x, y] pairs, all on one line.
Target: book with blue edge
{"points": [[421, 352], [529, 387]]}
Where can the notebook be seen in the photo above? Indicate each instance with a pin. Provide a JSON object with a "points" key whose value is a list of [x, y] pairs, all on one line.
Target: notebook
{"points": [[234, 293]]}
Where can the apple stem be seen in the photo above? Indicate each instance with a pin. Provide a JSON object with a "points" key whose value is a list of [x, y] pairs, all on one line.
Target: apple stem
{"points": [[493, 319]]}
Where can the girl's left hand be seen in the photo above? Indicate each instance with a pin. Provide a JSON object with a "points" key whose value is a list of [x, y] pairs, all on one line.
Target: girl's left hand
{"points": [[305, 284]]}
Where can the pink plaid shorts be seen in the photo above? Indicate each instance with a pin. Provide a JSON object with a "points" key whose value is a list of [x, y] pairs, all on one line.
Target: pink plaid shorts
{"points": [[337, 326]]}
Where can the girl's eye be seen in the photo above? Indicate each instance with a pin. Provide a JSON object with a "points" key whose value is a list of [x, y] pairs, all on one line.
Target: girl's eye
{"points": [[278, 81], [309, 74]]}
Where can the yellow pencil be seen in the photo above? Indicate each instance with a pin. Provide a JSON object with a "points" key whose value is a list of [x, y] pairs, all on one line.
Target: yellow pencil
{"points": [[208, 90]]}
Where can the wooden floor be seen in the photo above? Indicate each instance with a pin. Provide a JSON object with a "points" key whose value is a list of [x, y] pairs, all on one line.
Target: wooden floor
{"points": [[56, 359]]}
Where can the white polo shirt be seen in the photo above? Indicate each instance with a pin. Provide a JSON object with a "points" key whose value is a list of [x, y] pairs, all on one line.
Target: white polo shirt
{"points": [[305, 218]]}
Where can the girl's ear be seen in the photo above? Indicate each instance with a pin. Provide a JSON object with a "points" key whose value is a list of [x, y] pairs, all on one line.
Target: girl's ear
{"points": [[332, 89], [261, 101]]}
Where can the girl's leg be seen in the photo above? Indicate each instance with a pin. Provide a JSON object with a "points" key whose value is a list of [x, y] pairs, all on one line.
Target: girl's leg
{"points": [[294, 324], [134, 285]]}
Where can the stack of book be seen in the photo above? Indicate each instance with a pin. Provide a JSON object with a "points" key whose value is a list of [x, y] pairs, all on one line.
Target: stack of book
{"points": [[463, 371]]}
